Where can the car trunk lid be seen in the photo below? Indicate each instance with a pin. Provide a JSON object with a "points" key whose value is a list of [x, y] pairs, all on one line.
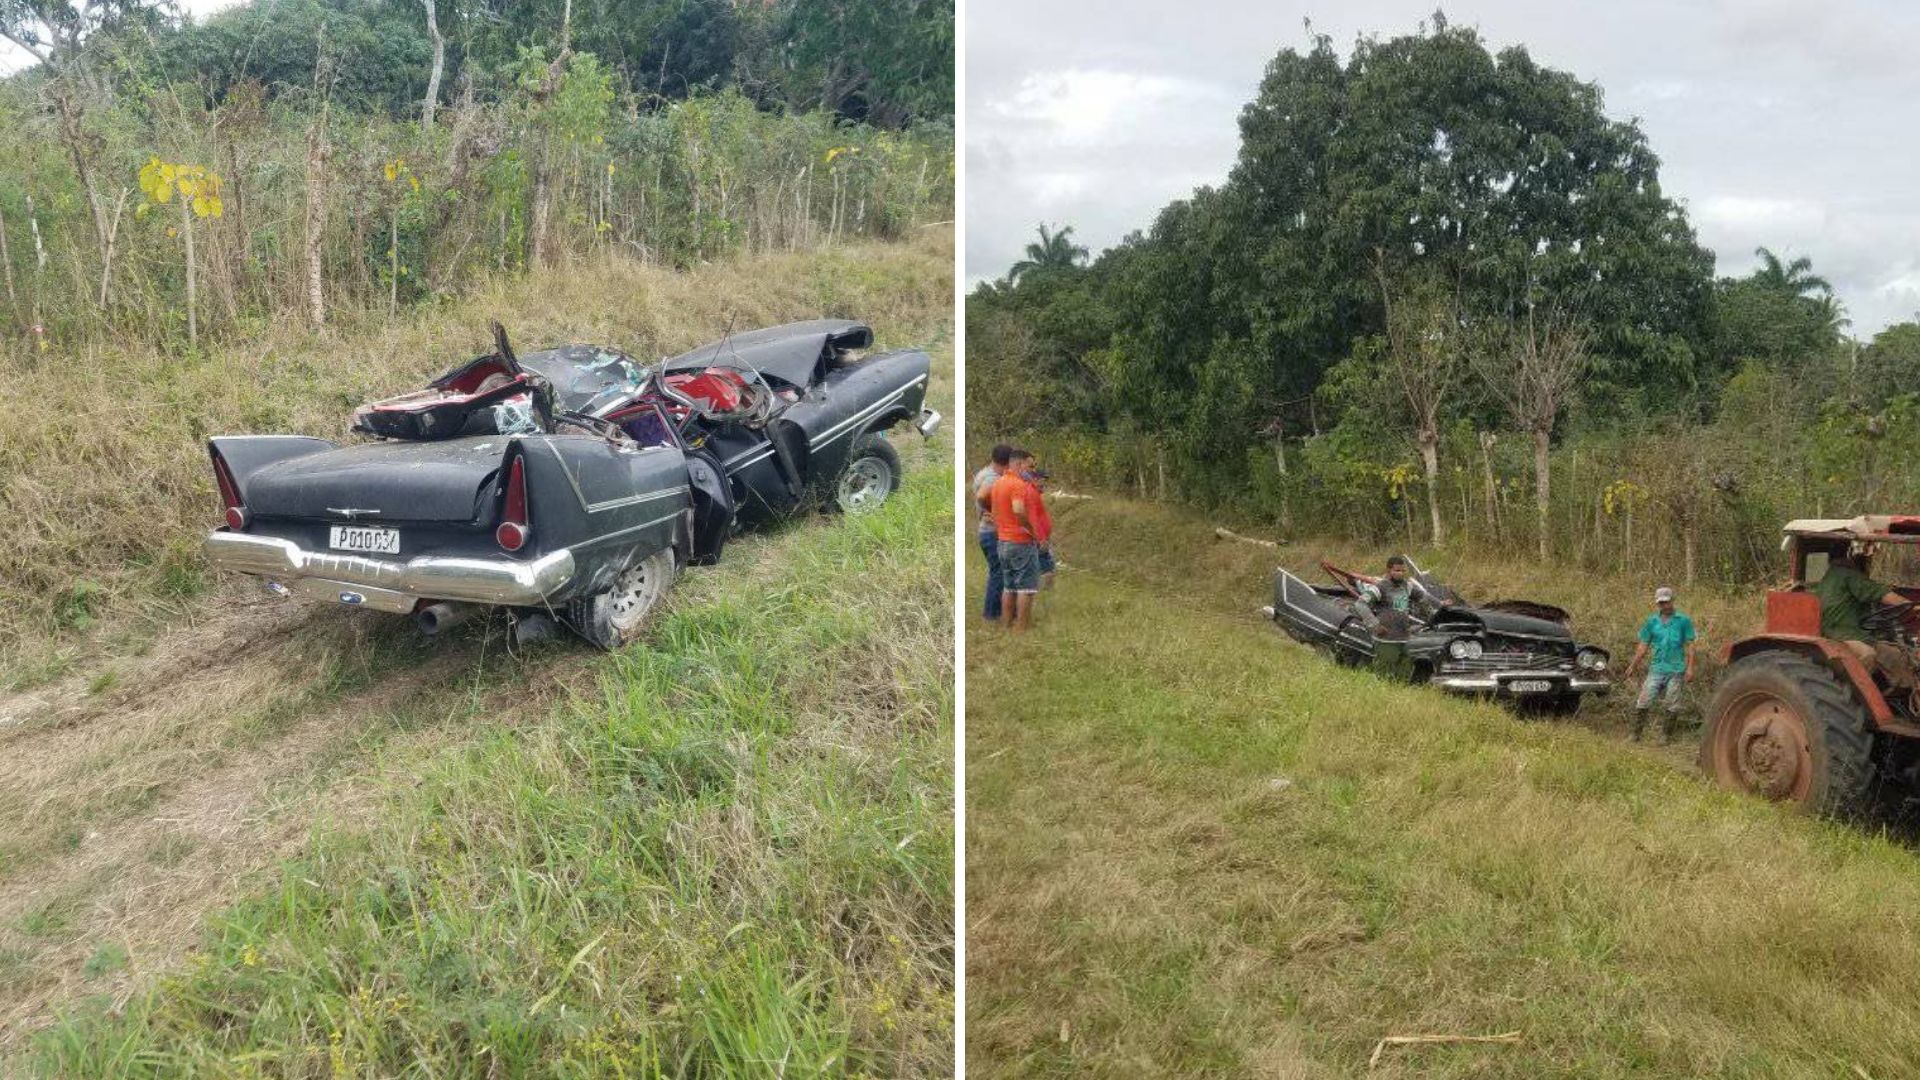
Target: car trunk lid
{"points": [[373, 483]]}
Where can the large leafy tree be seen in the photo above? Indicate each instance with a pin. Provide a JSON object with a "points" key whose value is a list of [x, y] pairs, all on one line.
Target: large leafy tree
{"points": [[1482, 169]]}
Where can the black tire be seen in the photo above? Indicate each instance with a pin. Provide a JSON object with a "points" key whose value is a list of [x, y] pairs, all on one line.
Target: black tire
{"points": [[617, 616], [1787, 729], [871, 476]]}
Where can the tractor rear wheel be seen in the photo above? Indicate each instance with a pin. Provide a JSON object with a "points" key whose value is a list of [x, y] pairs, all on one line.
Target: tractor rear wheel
{"points": [[1787, 729]]}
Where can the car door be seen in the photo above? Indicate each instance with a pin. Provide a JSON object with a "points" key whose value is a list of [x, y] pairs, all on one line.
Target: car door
{"points": [[1312, 616]]}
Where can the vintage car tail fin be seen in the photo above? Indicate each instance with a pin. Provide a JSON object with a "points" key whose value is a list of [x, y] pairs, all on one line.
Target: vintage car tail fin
{"points": [[235, 458]]}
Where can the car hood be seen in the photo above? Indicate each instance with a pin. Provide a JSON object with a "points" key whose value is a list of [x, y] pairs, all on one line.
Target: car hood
{"points": [[791, 353], [1506, 622]]}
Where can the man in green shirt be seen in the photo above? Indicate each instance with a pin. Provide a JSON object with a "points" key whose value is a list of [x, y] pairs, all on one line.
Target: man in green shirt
{"points": [[1848, 596], [1667, 637]]}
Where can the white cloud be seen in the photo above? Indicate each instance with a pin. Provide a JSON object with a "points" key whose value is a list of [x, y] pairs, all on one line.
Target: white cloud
{"points": [[1084, 106]]}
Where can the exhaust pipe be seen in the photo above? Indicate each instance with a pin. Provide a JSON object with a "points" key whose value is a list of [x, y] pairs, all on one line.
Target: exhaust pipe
{"points": [[435, 618]]}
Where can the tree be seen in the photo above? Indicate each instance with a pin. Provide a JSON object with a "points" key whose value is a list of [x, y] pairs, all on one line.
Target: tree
{"points": [[1795, 278], [1054, 251], [1424, 351], [198, 191], [1538, 363]]}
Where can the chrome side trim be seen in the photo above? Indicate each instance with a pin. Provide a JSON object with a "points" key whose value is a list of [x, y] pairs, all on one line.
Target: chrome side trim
{"points": [[634, 500], [429, 577], [892, 397]]}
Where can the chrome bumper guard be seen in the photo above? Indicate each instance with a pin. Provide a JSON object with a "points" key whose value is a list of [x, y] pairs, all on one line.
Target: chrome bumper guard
{"points": [[1494, 682], [390, 585], [928, 423]]}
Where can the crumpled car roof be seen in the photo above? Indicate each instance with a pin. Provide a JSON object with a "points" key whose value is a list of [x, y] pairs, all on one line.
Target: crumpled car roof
{"points": [[791, 352]]}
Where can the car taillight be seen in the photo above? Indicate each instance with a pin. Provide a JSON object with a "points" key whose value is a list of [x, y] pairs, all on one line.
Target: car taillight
{"points": [[229, 494], [514, 531]]}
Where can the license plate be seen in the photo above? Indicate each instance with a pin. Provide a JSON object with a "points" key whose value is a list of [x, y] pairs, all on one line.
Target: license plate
{"points": [[1530, 686], [364, 538]]}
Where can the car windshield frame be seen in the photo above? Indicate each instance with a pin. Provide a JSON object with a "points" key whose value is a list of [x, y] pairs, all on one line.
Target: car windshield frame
{"points": [[589, 379]]}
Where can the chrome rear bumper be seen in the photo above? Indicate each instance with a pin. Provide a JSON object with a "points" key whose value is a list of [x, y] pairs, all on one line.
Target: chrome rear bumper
{"points": [[388, 584], [928, 423]]}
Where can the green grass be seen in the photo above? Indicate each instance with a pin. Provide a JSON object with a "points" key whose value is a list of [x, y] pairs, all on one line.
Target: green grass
{"points": [[731, 857], [1194, 848]]}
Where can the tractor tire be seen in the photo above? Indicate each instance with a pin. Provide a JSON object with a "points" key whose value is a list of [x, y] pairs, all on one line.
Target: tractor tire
{"points": [[1789, 730]]}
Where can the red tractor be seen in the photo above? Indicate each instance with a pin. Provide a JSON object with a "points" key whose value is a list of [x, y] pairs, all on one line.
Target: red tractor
{"points": [[1802, 718]]}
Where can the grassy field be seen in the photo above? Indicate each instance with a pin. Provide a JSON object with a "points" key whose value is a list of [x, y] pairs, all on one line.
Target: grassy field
{"points": [[1196, 849], [259, 838]]}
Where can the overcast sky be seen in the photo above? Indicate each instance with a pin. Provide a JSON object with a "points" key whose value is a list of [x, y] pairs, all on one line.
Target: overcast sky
{"points": [[1776, 123]]}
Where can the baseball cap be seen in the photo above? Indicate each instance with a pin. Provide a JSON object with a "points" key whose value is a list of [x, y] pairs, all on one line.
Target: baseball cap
{"points": [[1663, 595]]}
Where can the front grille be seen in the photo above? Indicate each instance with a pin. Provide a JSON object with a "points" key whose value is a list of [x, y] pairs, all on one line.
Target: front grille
{"points": [[1490, 663]]}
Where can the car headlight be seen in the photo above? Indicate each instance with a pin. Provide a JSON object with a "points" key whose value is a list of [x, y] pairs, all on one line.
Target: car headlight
{"points": [[1464, 649], [1591, 659]]}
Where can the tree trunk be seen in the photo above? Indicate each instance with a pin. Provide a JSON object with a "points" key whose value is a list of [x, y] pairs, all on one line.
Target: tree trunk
{"points": [[193, 318], [1690, 538], [542, 207], [439, 64], [106, 263], [1487, 439], [74, 139], [6, 268], [1542, 485], [39, 271], [393, 265], [317, 149], [1430, 459]]}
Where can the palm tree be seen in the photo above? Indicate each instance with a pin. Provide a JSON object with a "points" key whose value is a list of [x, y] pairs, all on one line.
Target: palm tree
{"points": [[1055, 251], [1796, 278]]}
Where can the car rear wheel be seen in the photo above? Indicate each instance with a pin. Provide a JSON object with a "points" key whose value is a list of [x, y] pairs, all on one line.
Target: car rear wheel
{"points": [[1787, 729], [616, 616], [871, 475]]}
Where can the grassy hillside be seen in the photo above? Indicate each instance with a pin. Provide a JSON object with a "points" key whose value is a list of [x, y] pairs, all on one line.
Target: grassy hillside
{"points": [[1194, 848], [260, 838], [106, 476]]}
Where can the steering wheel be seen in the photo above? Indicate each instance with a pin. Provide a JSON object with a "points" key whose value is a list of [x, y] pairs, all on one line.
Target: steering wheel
{"points": [[1889, 618]]}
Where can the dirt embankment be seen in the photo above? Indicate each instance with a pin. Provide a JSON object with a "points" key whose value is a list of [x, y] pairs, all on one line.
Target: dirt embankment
{"points": [[144, 791]]}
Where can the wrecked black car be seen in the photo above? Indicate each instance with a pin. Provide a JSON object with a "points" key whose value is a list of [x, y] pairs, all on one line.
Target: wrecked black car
{"points": [[571, 483], [1516, 650]]}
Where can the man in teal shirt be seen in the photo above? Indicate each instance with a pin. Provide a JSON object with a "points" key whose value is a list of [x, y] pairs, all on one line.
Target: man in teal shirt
{"points": [[1667, 636]]}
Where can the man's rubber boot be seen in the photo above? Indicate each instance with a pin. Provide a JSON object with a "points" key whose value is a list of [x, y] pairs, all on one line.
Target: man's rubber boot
{"points": [[1639, 723]]}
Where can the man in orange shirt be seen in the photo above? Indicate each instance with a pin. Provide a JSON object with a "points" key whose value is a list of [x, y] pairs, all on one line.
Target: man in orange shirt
{"points": [[1016, 507]]}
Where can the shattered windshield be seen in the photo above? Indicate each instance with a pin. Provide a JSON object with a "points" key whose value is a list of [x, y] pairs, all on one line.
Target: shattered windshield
{"points": [[587, 378]]}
